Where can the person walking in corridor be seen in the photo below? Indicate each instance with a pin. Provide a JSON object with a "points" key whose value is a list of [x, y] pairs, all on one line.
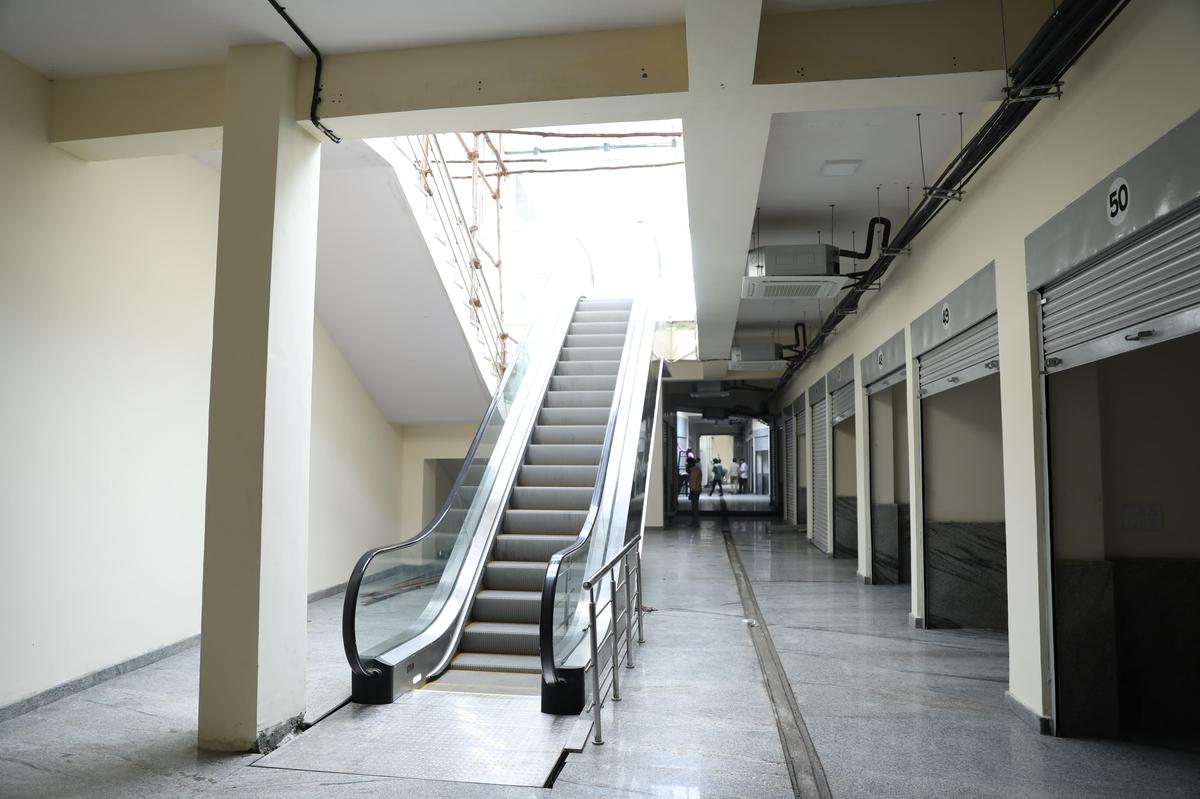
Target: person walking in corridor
{"points": [[718, 477], [695, 479], [743, 477]]}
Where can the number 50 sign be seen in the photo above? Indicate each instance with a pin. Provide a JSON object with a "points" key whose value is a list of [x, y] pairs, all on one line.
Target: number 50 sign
{"points": [[1118, 201]]}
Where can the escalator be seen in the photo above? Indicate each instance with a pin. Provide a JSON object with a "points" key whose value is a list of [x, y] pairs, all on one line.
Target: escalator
{"points": [[488, 598]]}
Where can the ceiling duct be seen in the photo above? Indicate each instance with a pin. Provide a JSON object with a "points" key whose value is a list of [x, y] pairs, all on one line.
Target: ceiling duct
{"points": [[756, 358], [792, 272]]}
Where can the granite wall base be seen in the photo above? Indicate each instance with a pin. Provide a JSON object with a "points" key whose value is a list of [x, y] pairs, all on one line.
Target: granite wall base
{"points": [[890, 552], [1156, 606], [1085, 651], [845, 527], [965, 575]]}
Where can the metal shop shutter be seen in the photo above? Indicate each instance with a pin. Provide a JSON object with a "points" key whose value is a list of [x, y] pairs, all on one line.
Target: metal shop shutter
{"points": [[819, 485], [789, 470], [843, 403], [895, 378], [1112, 306], [972, 354]]}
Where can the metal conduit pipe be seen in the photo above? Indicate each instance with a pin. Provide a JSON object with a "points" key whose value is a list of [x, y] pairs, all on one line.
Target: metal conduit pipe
{"points": [[1035, 75]]}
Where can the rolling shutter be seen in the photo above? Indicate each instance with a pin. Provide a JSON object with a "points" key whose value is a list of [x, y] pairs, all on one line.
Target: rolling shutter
{"points": [[842, 403], [972, 354], [819, 485], [1142, 291], [789, 471]]}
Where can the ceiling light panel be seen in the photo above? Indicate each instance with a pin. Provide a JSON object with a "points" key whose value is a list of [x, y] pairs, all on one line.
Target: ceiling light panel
{"points": [[840, 169]]}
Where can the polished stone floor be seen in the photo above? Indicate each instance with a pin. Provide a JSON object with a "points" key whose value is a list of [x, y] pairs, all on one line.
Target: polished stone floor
{"points": [[892, 711], [734, 503], [899, 712]]}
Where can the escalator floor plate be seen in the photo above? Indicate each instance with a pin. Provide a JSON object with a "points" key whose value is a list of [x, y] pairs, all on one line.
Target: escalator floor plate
{"points": [[498, 740], [503, 683]]}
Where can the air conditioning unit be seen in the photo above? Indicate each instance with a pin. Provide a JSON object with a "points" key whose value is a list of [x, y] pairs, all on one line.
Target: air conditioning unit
{"points": [[792, 272], [756, 358]]}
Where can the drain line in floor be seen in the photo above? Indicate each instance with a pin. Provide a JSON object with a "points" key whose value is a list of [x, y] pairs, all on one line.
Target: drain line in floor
{"points": [[804, 766]]}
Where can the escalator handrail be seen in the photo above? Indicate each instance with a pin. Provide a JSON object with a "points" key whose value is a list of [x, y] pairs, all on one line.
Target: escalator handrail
{"points": [[354, 584], [546, 617]]}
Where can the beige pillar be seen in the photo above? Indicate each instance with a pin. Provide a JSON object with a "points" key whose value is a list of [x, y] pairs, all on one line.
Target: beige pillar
{"points": [[916, 489], [256, 513], [862, 462]]}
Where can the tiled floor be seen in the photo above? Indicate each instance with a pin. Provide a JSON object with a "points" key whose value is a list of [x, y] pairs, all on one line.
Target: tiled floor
{"points": [[893, 711], [899, 712]]}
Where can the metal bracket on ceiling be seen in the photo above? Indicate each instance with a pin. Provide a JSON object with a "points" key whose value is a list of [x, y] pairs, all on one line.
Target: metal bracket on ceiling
{"points": [[1035, 92], [944, 194]]}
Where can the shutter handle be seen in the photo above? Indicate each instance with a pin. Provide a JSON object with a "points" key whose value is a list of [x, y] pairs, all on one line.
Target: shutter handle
{"points": [[994, 363], [1140, 335], [953, 379]]}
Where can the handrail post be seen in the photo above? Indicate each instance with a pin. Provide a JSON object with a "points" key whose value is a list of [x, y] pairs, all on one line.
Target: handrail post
{"points": [[628, 614], [597, 737], [616, 638], [638, 567]]}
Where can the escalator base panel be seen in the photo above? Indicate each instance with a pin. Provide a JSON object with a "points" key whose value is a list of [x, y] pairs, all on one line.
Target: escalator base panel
{"points": [[497, 740]]}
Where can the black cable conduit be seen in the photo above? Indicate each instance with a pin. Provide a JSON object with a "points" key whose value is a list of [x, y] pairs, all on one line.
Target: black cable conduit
{"points": [[316, 92], [1062, 39]]}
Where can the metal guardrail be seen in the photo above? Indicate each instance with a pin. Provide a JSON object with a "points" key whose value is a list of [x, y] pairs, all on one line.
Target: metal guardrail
{"points": [[633, 600]]}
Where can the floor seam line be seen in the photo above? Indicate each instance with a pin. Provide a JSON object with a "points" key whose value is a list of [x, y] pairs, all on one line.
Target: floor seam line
{"points": [[803, 763]]}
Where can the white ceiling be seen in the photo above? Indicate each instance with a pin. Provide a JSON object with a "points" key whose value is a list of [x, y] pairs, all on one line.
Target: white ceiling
{"points": [[75, 38], [794, 197], [380, 297], [78, 38]]}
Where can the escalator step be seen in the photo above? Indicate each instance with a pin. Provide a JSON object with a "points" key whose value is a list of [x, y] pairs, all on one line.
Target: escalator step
{"points": [[595, 340], [578, 399], [601, 316], [514, 575], [531, 547], [513, 664], [550, 498], [583, 383], [590, 354], [519, 607], [605, 305], [569, 434], [578, 476], [573, 416], [587, 368], [547, 522], [590, 328], [563, 454], [503, 638]]}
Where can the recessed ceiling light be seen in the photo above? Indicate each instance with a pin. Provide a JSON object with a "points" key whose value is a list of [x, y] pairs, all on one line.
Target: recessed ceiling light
{"points": [[840, 169]]}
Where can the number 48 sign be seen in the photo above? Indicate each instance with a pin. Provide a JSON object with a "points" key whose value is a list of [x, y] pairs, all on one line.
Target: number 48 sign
{"points": [[1118, 201]]}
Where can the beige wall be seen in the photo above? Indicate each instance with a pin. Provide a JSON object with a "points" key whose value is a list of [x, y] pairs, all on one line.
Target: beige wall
{"points": [[106, 291], [419, 443], [964, 466], [845, 475], [106, 298], [1147, 60], [1150, 439], [1076, 464], [354, 483], [900, 461]]}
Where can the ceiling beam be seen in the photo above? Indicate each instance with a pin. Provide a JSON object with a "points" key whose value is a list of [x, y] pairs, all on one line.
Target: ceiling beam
{"points": [[726, 139], [920, 38], [813, 60]]}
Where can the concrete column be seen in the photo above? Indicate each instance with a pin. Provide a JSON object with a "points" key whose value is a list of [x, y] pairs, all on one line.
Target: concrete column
{"points": [[1027, 550], [916, 536], [252, 687], [862, 462]]}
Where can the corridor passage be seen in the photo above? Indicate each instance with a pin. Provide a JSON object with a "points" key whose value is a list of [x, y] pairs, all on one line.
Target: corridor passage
{"points": [[892, 711]]}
